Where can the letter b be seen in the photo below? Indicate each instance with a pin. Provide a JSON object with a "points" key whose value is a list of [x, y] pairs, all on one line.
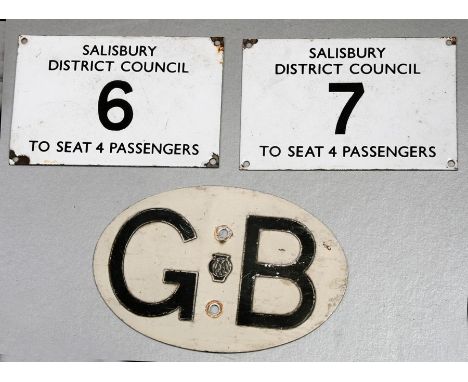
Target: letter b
{"points": [[295, 272]]}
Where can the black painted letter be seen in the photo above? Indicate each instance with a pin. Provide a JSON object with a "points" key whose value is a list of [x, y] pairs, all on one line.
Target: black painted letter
{"points": [[295, 272], [183, 297]]}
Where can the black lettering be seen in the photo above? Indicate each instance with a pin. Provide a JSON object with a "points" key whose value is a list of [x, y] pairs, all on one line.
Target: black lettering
{"points": [[184, 296], [295, 272], [54, 66]]}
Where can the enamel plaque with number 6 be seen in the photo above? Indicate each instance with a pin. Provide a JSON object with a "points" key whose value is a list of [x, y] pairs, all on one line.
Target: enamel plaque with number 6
{"points": [[117, 101], [220, 269], [377, 103]]}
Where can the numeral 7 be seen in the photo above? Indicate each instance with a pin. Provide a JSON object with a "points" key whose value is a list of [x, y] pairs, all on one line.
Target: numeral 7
{"points": [[357, 88]]}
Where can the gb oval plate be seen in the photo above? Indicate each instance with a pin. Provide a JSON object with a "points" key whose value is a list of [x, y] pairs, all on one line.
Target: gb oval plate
{"points": [[220, 269]]}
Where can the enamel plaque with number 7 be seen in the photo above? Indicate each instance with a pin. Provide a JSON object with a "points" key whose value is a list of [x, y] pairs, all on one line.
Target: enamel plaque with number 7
{"points": [[377, 103], [117, 101]]}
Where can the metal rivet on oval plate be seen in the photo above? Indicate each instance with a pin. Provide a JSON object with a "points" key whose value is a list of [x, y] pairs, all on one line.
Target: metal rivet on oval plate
{"points": [[214, 308], [223, 233]]}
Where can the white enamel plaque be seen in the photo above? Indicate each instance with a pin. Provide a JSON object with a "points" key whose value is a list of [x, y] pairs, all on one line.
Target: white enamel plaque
{"points": [[117, 101], [220, 269], [377, 103]]}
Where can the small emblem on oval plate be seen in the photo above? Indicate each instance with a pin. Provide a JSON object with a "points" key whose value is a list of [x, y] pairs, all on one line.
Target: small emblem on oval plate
{"points": [[276, 274]]}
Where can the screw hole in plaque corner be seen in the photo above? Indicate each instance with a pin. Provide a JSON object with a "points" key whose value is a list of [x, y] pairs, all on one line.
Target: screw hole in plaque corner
{"points": [[249, 43], [213, 162], [451, 41], [451, 163], [16, 159], [218, 42], [24, 40], [245, 164], [214, 308]]}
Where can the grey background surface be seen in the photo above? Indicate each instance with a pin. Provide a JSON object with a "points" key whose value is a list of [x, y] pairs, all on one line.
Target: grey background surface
{"points": [[2, 46], [404, 233]]}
